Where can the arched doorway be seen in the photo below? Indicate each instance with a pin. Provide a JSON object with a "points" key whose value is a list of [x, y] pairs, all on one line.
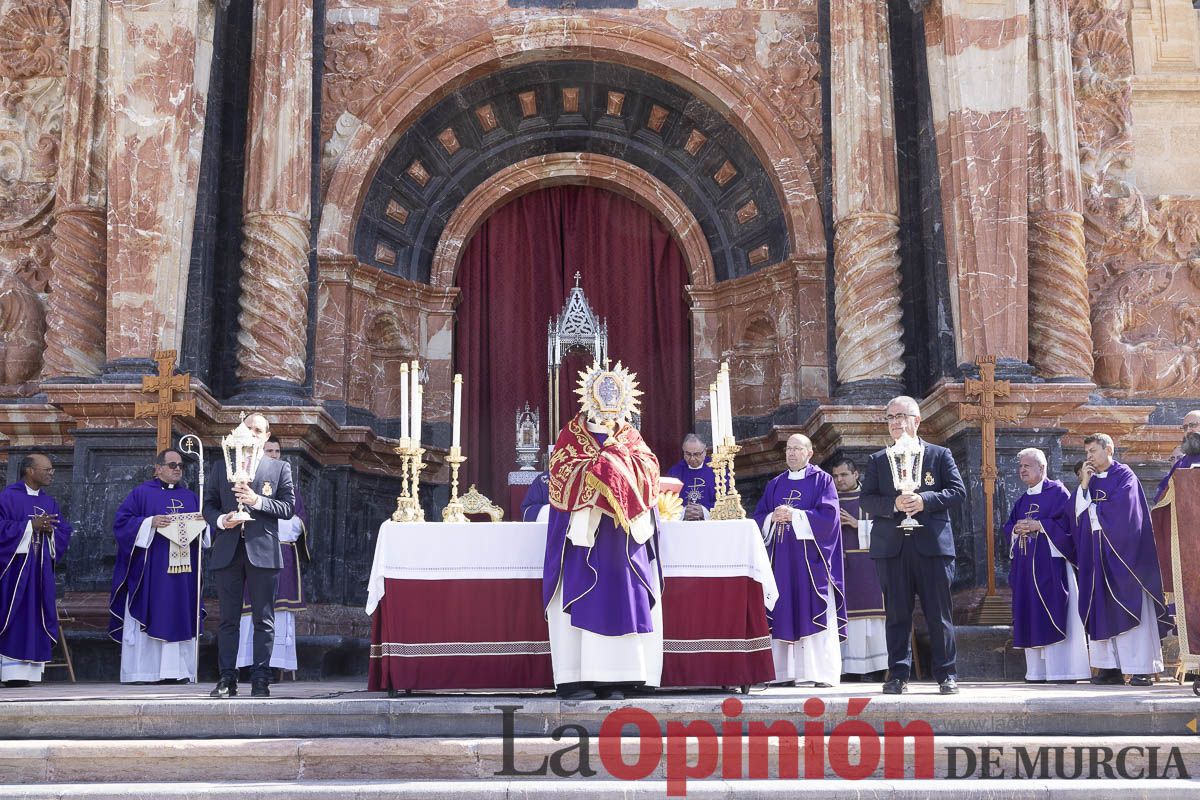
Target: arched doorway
{"points": [[515, 274]]}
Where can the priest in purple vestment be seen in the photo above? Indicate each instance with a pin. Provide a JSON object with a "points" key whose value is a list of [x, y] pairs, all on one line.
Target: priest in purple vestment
{"points": [[1120, 584], [153, 602], [537, 498], [1189, 458], [800, 520], [699, 493], [33, 536], [864, 652], [1045, 593], [601, 581]]}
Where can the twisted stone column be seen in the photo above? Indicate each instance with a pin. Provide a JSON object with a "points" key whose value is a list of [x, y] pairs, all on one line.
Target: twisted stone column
{"points": [[1060, 328], [865, 202], [77, 302], [75, 318], [274, 286]]}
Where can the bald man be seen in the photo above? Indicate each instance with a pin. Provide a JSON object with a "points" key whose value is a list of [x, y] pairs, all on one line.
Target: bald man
{"points": [[800, 520]]}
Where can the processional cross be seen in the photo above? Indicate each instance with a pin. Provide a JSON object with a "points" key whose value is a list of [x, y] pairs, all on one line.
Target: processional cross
{"points": [[166, 407], [993, 610]]}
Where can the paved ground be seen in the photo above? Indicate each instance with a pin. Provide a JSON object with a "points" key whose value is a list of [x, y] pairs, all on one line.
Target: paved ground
{"points": [[348, 689]]}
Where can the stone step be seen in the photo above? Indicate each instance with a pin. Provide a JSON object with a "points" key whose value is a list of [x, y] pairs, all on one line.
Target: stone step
{"points": [[604, 790], [350, 759], [982, 709]]}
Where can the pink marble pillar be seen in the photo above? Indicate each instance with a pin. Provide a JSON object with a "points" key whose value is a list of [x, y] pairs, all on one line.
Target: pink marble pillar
{"points": [[75, 307], [274, 286], [865, 194], [978, 56], [159, 63], [1060, 329]]}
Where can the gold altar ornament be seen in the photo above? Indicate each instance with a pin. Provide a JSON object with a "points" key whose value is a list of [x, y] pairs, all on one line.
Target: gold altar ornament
{"points": [[608, 396]]}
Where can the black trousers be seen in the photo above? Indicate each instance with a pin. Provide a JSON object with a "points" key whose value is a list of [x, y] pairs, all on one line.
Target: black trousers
{"points": [[261, 584], [903, 578]]}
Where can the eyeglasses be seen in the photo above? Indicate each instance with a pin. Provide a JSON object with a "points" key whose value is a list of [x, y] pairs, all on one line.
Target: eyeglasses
{"points": [[173, 464], [1188, 427], [897, 417]]}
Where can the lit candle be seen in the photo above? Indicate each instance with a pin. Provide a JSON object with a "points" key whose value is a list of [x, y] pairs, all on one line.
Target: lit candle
{"points": [[404, 419], [714, 413], [455, 439], [414, 424]]}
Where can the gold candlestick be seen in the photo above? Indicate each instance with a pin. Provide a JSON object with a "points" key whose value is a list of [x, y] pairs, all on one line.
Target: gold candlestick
{"points": [[453, 512], [408, 504], [729, 502]]}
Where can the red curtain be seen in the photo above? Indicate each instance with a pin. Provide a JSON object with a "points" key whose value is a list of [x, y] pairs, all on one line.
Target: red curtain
{"points": [[516, 273]]}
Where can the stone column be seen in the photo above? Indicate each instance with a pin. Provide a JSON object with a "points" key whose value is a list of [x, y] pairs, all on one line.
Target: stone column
{"points": [[272, 342], [978, 56], [1060, 329], [865, 197], [75, 307], [158, 68]]}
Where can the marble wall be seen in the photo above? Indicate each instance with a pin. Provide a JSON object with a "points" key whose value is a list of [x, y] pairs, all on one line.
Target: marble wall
{"points": [[1015, 178]]}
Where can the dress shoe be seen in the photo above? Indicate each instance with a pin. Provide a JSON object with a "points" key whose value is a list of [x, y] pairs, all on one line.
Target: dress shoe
{"points": [[895, 686], [1035, 680], [1141, 680], [948, 686], [260, 687], [226, 687], [1108, 677], [610, 693], [575, 691], [16, 684], [822, 685]]}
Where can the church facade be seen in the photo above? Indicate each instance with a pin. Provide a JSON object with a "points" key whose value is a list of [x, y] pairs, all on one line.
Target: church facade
{"points": [[869, 197]]}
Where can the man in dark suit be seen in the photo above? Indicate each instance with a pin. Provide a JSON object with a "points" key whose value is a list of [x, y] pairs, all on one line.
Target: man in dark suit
{"points": [[247, 558], [917, 561]]}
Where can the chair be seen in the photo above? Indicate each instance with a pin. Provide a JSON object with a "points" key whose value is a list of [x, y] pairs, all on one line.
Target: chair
{"points": [[62, 642]]}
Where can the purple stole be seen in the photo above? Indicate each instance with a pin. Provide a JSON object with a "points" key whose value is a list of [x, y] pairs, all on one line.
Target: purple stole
{"points": [[289, 591], [864, 596], [1118, 563], [805, 569], [1038, 579], [163, 603], [28, 618], [699, 485]]}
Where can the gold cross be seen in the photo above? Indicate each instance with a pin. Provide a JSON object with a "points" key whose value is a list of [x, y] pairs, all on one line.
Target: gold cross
{"points": [[165, 408]]}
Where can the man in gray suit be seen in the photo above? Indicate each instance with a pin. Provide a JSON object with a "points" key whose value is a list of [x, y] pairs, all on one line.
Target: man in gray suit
{"points": [[246, 558]]}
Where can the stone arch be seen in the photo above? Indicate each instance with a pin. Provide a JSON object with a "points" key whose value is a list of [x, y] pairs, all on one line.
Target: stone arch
{"points": [[584, 169], [420, 85]]}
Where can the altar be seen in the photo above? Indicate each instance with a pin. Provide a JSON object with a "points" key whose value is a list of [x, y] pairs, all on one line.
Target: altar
{"points": [[459, 606]]}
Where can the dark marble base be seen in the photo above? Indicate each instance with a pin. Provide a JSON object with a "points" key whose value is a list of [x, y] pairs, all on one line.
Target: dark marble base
{"points": [[270, 392], [128, 370], [868, 393]]}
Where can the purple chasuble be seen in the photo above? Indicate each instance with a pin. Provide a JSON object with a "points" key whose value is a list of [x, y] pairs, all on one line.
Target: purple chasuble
{"points": [[289, 590], [606, 589], [161, 602], [1038, 579], [1118, 563], [1186, 462], [699, 485], [536, 496], [805, 569], [864, 596], [28, 619]]}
